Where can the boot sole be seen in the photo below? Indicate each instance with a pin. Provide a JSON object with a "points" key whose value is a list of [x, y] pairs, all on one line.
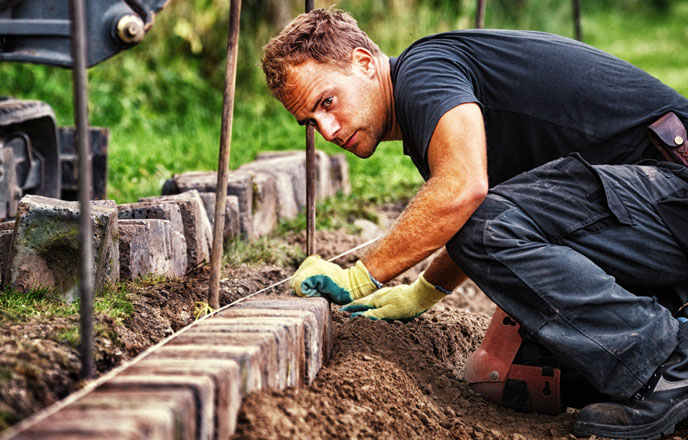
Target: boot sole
{"points": [[649, 431]]}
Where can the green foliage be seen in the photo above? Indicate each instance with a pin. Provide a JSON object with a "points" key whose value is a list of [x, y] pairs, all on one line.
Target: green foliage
{"points": [[265, 250], [15, 306], [341, 211], [162, 100], [146, 280], [69, 335], [114, 302], [44, 303]]}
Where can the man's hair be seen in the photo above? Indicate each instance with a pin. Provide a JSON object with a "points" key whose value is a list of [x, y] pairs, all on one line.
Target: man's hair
{"points": [[325, 35]]}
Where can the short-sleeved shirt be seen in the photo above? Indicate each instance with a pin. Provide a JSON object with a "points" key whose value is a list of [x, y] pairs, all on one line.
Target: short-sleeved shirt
{"points": [[542, 96]]}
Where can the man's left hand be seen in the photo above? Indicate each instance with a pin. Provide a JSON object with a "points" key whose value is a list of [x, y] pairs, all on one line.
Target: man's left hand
{"points": [[317, 277]]}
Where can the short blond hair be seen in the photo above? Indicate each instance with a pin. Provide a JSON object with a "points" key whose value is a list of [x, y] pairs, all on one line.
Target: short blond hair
{"points": [[324, 35]]}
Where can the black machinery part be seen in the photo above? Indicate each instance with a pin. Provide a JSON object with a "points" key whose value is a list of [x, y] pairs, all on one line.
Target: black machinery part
{"points": [[29, 130], [37, 157], [38, 31]]}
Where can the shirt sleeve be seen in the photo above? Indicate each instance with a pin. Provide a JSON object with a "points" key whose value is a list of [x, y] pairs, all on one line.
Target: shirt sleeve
{"points": [[428, 84]]}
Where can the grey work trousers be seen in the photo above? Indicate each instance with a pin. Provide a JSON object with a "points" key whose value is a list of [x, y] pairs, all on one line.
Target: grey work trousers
{"points": [[580, 258]]}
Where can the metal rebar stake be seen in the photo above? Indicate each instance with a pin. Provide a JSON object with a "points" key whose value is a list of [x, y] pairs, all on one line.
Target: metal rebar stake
{"points": [[80, 84], [480, 14], [310, 178], [577, 20], [223, 161]]}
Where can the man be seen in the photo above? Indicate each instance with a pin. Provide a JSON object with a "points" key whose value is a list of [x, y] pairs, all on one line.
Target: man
{"points": [[474, 109]]}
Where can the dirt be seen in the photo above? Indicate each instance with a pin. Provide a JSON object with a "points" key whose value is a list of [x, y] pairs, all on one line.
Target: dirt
{"points": [[394, 380], [384, 381]]}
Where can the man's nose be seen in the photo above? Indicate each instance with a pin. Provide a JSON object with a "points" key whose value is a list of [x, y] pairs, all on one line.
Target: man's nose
{"points": [[328, 127]]}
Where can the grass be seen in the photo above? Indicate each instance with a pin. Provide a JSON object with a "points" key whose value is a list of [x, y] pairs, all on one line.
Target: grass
{"points": [[265, 250], [44, 304], [655, 41]]}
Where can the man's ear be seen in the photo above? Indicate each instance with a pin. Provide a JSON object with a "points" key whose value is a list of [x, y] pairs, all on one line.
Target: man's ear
{"points": [[363, 60]]}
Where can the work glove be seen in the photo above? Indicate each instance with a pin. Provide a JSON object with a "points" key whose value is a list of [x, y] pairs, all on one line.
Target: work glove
{"points": [[402, 302], [317, 277]]}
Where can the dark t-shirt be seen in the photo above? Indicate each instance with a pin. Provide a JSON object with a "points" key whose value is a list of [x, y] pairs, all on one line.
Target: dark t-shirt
{"points": [[542, 96]]}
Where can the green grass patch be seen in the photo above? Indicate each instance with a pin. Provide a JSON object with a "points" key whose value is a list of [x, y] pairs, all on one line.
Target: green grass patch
{"points": [[43, 303], [70, 335], [17, 306], [147, 280], [265, 250], [115, 303]]}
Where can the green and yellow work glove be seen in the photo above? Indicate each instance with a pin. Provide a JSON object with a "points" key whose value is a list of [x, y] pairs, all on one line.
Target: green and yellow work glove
{"points": [[317, 277], [401, 303]]}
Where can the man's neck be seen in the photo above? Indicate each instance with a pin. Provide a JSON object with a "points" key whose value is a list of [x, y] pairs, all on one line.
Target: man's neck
{"points": [[385, 77]]}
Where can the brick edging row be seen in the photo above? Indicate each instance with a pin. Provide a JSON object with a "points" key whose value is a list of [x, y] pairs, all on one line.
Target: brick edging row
{"points": [[167, 235], [191, 387]]}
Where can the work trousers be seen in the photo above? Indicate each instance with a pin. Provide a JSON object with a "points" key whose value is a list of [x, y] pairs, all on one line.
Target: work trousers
{"points": [[579, 256]]}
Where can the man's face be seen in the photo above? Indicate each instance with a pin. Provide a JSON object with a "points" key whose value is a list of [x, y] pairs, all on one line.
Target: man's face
{"points": [[346, 107]]}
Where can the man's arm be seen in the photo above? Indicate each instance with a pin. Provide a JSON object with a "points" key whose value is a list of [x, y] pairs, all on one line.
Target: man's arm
{"points": [[457, 158]]}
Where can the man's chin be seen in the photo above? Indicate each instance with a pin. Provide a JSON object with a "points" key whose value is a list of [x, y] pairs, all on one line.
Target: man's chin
{"points": [[365, 153]]}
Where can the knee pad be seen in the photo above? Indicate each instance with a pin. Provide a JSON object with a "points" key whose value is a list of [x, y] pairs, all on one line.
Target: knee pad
{"points": [[501, 374]]}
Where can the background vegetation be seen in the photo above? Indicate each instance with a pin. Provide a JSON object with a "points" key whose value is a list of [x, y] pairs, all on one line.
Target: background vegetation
{"points": [[162, 99]]}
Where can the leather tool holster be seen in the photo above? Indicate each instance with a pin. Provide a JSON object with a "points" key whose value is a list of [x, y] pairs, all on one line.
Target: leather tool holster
{"points": [[668, 135]]}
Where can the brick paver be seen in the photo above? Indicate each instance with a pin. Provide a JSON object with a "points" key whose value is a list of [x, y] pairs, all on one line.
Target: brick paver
{"points": [[192, 387]]}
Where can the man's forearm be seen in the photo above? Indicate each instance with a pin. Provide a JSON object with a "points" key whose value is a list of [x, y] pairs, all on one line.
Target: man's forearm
{"points": [[432, 218], [457, 159]]}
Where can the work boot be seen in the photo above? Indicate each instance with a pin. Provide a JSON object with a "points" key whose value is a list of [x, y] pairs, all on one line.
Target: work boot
{"points": [[653, 411]]}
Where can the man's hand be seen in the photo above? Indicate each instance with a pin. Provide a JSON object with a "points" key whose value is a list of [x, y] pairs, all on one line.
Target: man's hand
{"points": [[402, 303], [317, 277]]}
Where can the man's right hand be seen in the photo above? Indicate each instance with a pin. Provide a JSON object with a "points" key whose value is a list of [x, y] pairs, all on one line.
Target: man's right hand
{"points": [[402, 303], [317, 277]]}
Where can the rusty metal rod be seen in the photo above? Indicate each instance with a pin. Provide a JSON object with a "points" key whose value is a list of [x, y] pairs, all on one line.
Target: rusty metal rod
{"points": [[577, 20], [223, 161], [310, 190], [480, 14], [80, 84], [310, 178]]}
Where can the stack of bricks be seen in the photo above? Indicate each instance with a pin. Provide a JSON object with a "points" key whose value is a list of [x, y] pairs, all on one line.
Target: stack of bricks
{"points": [[167, 235], [191, 387]]}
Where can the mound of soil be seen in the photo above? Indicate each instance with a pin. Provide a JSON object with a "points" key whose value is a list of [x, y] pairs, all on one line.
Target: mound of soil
{"points": [[395, 380], [399, 381]]}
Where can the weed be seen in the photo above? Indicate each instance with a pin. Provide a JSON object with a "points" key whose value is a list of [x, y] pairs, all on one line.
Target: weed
{"points": [[114, 303], [70, 335], [8, 418], [17, 306], [265, 250], [146, 280]]}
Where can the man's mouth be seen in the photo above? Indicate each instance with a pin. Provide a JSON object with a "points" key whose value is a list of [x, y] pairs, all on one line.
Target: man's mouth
{"points": [[349, 142]]}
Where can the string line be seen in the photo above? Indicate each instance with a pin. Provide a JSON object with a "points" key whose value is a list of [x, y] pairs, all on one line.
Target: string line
{"points": [[90, 386]]}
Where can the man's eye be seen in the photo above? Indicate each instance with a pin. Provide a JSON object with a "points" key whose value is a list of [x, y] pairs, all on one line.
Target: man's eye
{"points": [[327, 102]]}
